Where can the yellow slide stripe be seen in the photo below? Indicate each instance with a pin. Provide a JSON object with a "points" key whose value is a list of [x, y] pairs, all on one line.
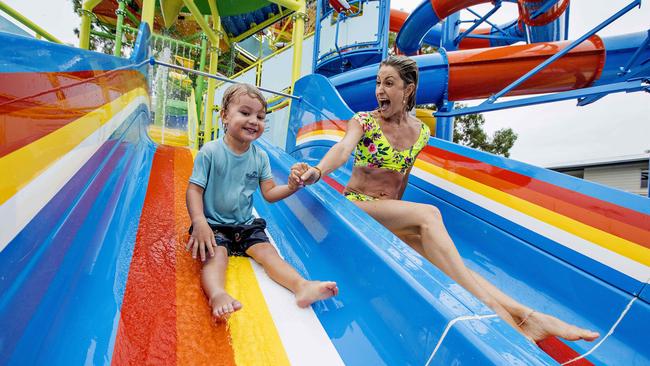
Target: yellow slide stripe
{"points": [[614, 243], [322, 132], [255, 339], [22, 165]]}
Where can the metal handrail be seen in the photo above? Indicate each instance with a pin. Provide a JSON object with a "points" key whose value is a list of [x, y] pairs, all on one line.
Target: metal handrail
{"points": [[28, 23], [153, 61]]}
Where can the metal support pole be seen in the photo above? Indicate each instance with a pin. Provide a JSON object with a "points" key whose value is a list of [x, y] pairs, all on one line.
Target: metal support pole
{"points": [[148, 10], [212, 85], [297, 37], [200, 82], [497, 5], [84, 30], [445, 125], [118, 30]]}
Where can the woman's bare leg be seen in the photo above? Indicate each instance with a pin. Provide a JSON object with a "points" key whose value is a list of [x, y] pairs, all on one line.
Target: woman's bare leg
{"points": [[537, 325], [408, 218]]}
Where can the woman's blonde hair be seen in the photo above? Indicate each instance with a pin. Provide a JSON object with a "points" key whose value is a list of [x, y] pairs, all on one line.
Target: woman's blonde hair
{"points": [[408, 72], [235, 90]]}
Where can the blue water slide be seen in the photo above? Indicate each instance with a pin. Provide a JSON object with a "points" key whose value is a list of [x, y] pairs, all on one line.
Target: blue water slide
{"points": [[424, 26], [63, 276], [357, 86], [527, 265], [394, 307]]}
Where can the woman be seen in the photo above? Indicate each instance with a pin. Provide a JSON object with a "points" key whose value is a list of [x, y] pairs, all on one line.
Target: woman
{"points": [[387, 142]]}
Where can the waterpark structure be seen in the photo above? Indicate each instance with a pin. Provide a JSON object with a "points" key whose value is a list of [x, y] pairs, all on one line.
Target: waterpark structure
{"points": [[96, 151]]}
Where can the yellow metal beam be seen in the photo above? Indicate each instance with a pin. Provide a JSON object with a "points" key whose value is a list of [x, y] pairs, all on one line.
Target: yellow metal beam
{"points": [[212, 83], [298, 37], [84, 31], [294, 5], [148, 10]]}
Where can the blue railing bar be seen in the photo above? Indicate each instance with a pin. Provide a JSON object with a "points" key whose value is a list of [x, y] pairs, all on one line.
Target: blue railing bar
{"points": [[336, 36], [153, 61], [351, 49], [635, 56], [497, 5], [487, 21], [590, 99], [553, 58], [547, 5], [633, 85], [485, 36]]}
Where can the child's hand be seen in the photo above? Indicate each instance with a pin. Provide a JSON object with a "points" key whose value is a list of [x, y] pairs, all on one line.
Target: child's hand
{"points": [[202, 238], [294, 181], [297, 170]]}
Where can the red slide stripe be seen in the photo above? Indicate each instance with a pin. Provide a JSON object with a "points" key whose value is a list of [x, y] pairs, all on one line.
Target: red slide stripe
{"points": [[616, 220], [33, 105]]}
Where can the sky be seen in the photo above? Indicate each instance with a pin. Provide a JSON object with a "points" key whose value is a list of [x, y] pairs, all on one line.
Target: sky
{"points": [[555, 134]]}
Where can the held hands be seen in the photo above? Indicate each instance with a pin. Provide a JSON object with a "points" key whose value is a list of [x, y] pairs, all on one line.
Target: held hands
{"points": [[294, 182], [202, 240], [307, 175]]}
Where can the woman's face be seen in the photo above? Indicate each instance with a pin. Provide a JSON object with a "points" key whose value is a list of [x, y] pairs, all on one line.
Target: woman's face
{"points": [[391, 92]]}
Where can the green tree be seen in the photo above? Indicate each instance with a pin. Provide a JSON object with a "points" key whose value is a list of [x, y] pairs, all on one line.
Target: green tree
{"points": [[468, 131], [99, 44]]}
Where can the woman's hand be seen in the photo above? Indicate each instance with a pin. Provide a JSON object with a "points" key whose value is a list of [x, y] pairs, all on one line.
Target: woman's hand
{"points": [[306, 174], [311, 176]]}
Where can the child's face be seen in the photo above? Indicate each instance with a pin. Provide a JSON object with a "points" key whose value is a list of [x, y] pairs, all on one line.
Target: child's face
{"points": [[244, 118]]}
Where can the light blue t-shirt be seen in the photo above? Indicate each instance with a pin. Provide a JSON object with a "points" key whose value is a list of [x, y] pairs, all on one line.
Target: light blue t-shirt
{"points": [[229, 181]]}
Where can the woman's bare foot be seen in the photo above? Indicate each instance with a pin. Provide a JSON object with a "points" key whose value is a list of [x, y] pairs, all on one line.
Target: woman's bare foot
{"points": [[223, 305], [539, 326], [312, 291]]}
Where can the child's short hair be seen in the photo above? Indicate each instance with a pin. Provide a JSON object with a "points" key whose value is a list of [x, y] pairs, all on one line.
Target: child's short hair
{"points": [[235, 90]]}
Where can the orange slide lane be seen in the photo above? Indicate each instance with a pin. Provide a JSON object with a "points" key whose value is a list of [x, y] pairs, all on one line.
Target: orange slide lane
{"points": [[164, 317]]}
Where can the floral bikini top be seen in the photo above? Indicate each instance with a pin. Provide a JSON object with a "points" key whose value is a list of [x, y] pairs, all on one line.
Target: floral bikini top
{"points": [[374, 150]]}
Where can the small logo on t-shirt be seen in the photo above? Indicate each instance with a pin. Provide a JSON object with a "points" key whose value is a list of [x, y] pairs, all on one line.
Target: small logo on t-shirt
{"points": [[252, 175]]}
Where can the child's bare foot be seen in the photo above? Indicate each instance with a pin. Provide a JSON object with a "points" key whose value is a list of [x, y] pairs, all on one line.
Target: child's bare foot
{"points": [[539, 326], [312, 291], [223, 305]]}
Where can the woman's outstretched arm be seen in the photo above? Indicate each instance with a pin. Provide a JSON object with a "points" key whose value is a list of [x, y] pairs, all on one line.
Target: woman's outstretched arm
{"points": [[337, 154]]}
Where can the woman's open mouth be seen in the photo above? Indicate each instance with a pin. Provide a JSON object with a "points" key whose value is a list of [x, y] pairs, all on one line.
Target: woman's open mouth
{"points": [[384, 105]]}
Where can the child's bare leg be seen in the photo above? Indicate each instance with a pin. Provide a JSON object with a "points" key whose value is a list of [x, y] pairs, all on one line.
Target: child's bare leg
{"points": [[213, 279], [307, 292]]}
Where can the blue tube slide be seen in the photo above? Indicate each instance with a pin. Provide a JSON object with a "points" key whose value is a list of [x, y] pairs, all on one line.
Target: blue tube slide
{"points": [[357, 86], [423, 26]]}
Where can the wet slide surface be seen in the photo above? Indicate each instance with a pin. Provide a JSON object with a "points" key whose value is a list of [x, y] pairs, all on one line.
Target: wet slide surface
{"points": [[165, 317]]}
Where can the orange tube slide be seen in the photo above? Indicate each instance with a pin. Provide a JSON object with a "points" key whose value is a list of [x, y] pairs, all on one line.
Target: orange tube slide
{"points": [[479, 73]]}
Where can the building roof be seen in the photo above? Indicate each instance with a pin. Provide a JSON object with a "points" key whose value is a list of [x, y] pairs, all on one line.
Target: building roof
{"points": [[616, 160]]}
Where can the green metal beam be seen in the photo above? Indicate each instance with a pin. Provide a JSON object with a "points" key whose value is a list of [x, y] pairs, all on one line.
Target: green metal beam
{"points": [[28, 23]]}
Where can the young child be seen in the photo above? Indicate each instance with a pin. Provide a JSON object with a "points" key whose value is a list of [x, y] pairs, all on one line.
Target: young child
{"points": [[220, 200]]}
